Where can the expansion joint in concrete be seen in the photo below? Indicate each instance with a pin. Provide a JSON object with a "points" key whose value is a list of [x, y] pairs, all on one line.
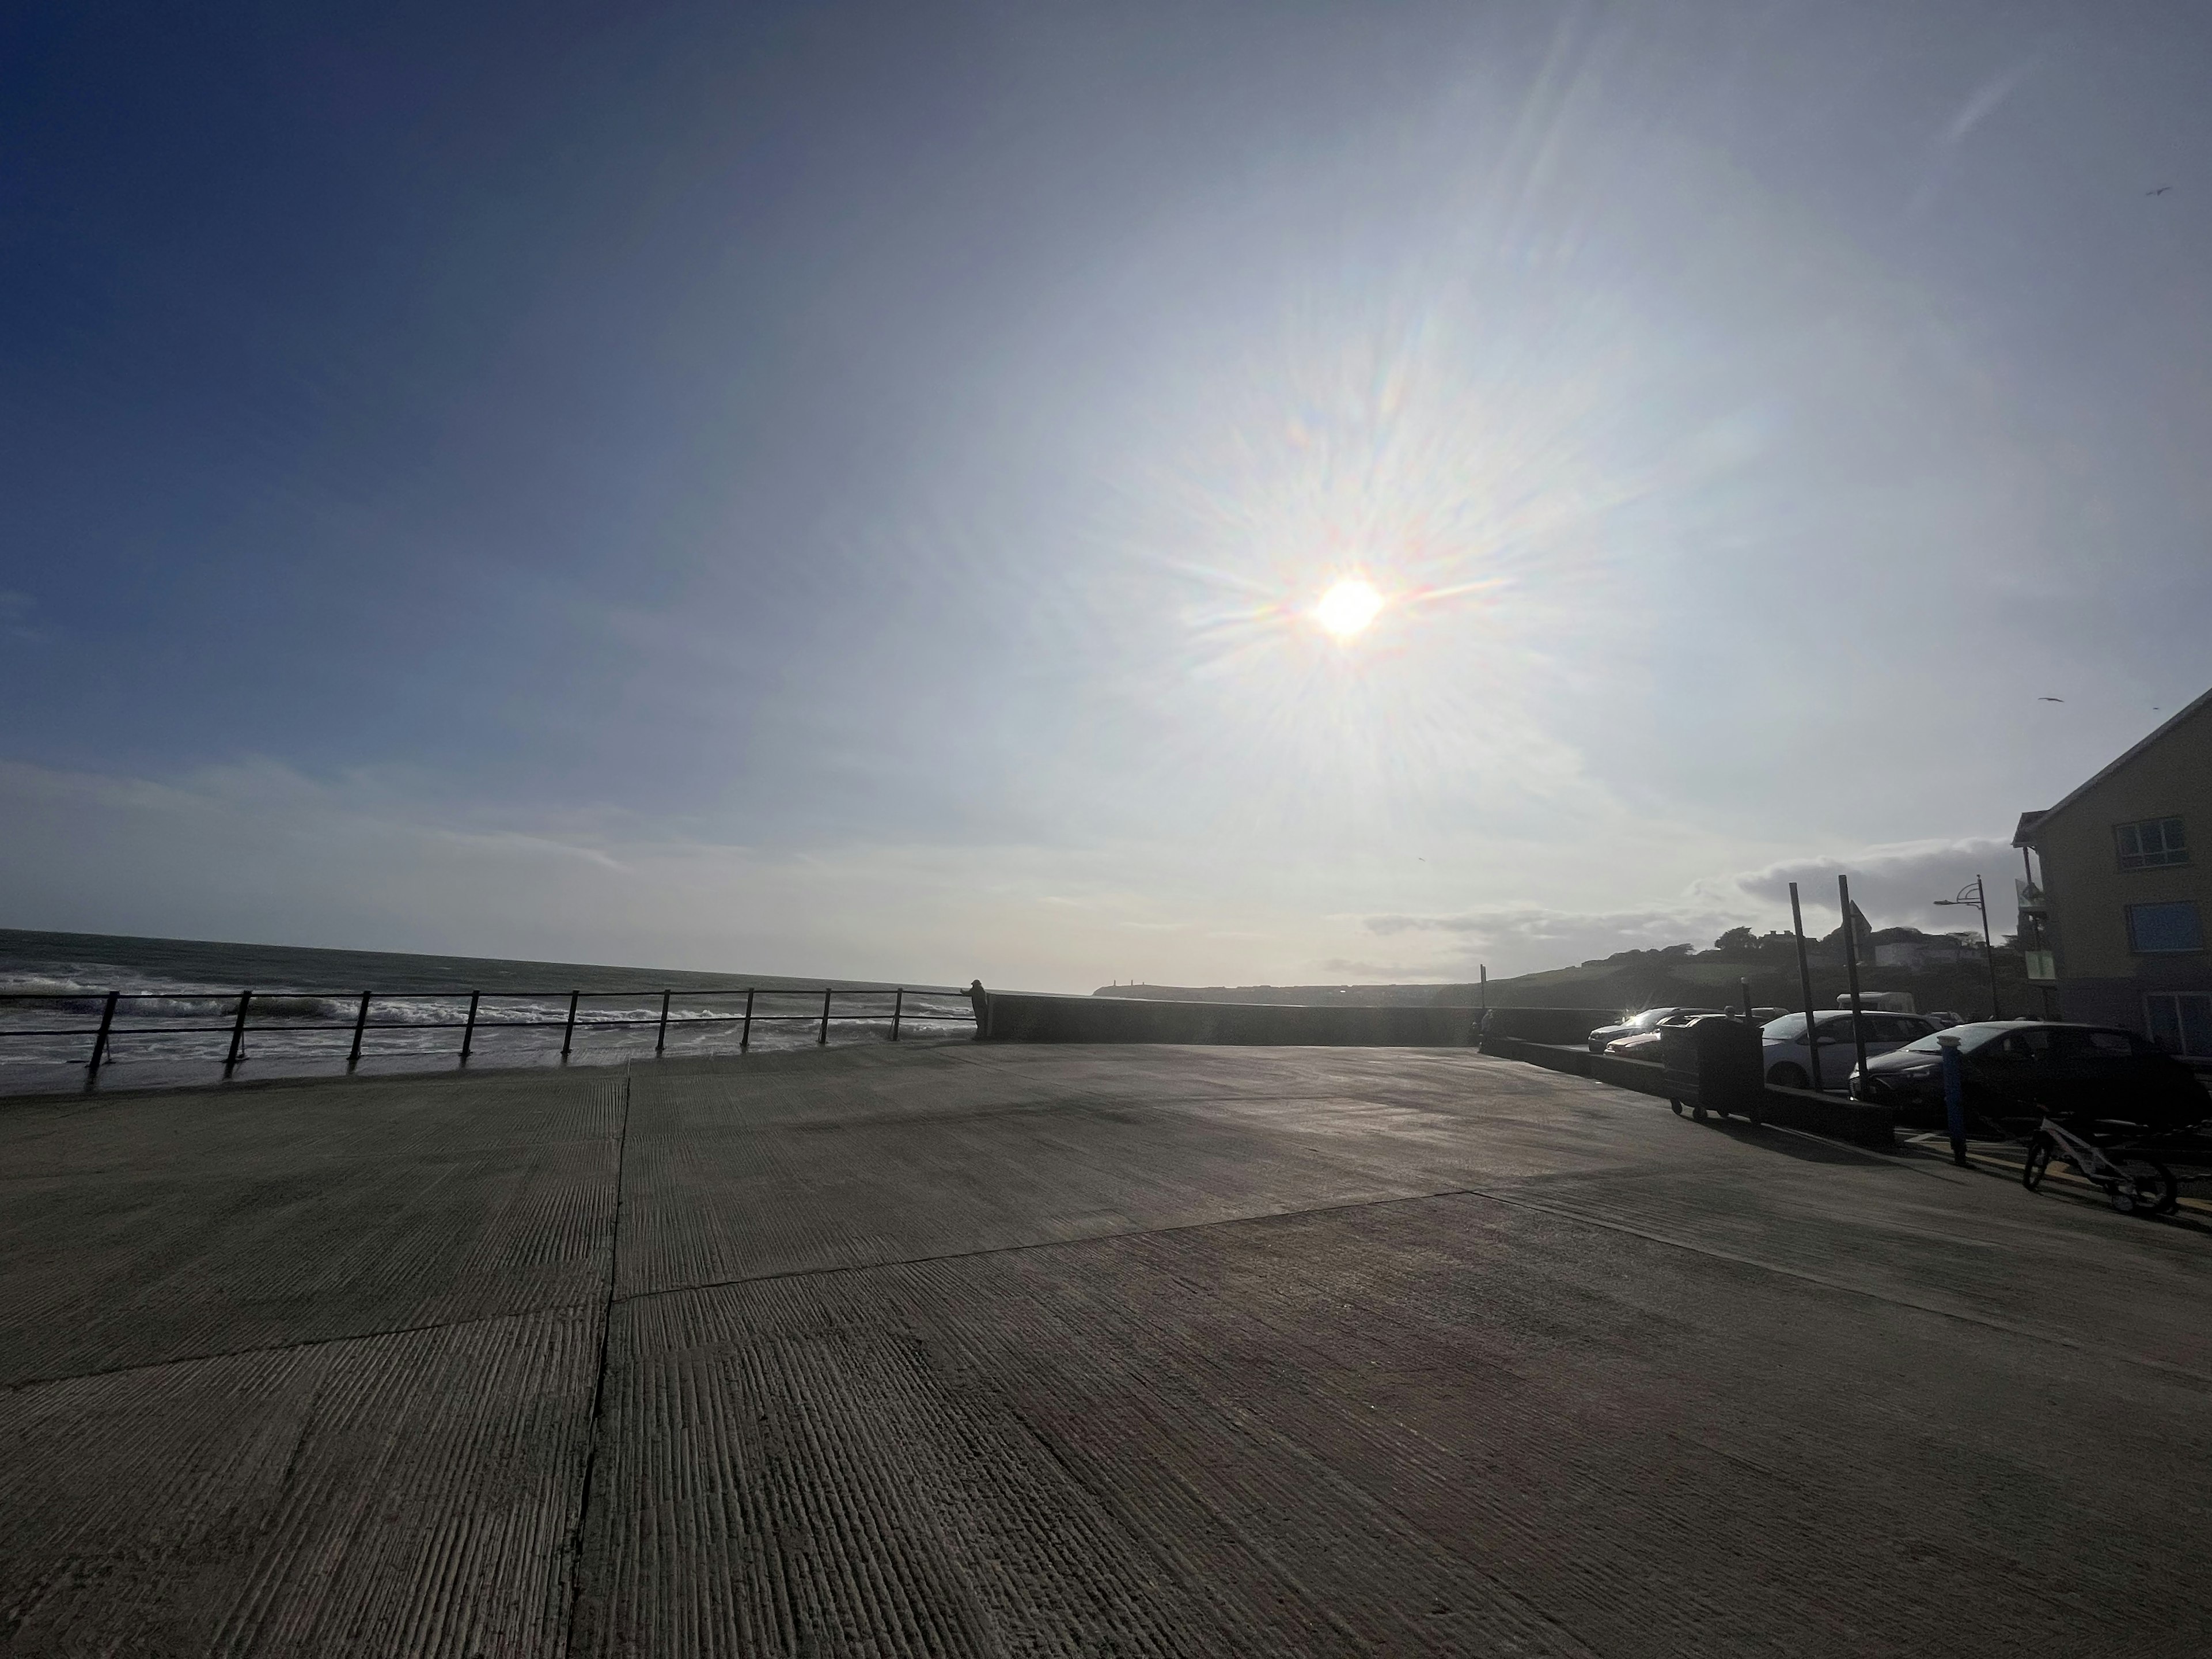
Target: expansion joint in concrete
{"points": [[22, 1383], [599, 1380]]}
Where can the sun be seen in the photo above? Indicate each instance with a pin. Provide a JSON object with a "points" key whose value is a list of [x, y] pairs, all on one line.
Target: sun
{"points": [[1348, 607]]}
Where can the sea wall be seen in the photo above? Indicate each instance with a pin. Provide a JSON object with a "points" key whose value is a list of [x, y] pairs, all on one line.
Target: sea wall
{"points": [[1023, 1017], [1548, 1024]]}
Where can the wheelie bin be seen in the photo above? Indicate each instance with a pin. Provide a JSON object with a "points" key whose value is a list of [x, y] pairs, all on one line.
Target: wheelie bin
{"points": [[1714, 1065]]}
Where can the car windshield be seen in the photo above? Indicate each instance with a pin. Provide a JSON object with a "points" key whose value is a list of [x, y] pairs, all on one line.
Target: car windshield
{"points": [[1971, 1037], [1788, 1029]]}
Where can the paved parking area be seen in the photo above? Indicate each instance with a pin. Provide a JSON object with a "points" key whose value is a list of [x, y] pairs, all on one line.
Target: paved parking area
{"points": [[963, 1349]]}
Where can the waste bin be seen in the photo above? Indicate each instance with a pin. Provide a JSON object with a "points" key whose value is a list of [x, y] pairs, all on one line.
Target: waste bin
{"points": [[1714, 1065]]}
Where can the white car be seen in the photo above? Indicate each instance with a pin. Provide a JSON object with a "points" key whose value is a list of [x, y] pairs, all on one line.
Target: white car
{"points": [[1789, 1060]]}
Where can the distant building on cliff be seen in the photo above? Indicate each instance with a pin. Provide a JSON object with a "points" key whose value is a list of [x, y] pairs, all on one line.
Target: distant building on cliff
{"points": [[2113, 914]]}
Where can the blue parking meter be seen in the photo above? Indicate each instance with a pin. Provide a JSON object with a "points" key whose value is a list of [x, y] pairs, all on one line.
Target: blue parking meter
{"points": [[1955, 1097]]}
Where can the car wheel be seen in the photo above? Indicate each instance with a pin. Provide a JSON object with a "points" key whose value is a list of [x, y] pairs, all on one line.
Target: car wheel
{"points": [[1787, 1076]]}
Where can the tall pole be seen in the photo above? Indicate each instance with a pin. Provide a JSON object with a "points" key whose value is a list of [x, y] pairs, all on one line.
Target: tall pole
{"points": [[1852, 962], [1989, 951], [1805, 982]]}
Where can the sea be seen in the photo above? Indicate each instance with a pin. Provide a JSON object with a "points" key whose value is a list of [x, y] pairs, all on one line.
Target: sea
{"points": [[177, 1001]]}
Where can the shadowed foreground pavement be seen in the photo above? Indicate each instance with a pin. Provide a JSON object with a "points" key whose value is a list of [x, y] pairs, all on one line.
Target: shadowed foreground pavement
{"points": [[976, 1349]]}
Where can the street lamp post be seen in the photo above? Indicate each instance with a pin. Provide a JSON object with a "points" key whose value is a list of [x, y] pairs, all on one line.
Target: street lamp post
{"points": [[1973, 894]]}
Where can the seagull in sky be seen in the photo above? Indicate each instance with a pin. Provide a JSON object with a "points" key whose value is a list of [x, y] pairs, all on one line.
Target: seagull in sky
{"points": [[2051, 700], [2161, 191]]}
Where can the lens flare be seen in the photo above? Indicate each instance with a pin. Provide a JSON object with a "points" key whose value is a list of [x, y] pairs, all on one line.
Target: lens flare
{"points": [[1348, 607]]}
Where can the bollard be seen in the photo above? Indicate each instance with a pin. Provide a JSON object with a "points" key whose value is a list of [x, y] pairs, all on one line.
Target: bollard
{"points": [[100, 1043], [469, 1030], [1955, 1097], [746, 1035], [569, 1031], [898, 1007], [660, 1041], [359, 1024], [823, 1041]]}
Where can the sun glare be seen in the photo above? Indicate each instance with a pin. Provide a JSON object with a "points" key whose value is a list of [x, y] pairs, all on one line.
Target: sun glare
{"points": [[1348, 607]]}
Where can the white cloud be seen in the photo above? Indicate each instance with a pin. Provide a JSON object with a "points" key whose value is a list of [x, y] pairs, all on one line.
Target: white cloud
{"points": [[1893, 885]]}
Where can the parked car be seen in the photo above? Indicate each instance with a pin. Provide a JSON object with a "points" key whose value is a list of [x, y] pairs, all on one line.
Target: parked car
{"points": [[1636, 1025], [1789, 1059], [1880, 1002], [1644, 1045], [2021, 1069]]}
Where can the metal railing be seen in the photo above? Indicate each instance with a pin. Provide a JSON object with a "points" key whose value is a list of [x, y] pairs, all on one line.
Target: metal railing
{"points": [[239, 1025]]}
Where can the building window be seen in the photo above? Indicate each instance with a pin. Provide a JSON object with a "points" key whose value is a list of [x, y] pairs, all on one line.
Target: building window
{"points": [[2151, 844], [2164, 929], [2181, 1023]]}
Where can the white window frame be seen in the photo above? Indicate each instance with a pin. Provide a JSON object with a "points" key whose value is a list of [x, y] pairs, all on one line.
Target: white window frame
{"points": [[2172, 852]]}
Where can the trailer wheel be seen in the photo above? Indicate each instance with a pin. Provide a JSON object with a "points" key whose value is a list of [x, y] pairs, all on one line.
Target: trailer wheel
{"points": [[2149, 1189]]}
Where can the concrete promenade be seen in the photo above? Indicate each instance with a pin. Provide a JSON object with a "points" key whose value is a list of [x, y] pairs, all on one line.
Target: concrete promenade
{"points": [[979, 1349]]}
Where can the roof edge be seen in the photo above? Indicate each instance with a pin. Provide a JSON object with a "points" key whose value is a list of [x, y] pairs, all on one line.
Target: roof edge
{"points": [[2027, 829]]}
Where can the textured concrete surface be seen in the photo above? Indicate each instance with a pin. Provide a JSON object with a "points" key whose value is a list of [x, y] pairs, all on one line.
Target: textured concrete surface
{"points": [[997, 1349]]}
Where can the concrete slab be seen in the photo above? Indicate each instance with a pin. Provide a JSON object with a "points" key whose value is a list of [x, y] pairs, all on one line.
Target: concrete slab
{"points": [[1440, 1426], [415, 1493], [168, 1227], [797, 1166], [977, 1349]]}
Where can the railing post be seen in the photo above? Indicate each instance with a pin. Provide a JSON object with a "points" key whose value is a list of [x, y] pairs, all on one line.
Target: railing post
{"points": [[100, 1043], [899, 1006], [469, 1030], [745, 1036], [660, 1041], [569, 1031], [238, 1032], [359, 1024], [823, 1041]]}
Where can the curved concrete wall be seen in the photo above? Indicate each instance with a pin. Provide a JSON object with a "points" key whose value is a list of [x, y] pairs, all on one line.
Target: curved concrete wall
{"points": [[1020, 1017]]}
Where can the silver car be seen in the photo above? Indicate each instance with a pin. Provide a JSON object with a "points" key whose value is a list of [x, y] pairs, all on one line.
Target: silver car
{"points": [[1789, 1059], [1636, 1025]]}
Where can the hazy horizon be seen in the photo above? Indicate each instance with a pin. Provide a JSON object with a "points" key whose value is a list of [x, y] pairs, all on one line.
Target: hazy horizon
{"points": [[845, 491]]}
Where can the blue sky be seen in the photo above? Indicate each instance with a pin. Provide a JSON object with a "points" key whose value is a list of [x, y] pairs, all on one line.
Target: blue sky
{"points": [[842, 488]]}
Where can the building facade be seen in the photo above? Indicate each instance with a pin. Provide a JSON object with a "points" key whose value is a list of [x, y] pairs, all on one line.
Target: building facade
{"points": [[2123, 893]]}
